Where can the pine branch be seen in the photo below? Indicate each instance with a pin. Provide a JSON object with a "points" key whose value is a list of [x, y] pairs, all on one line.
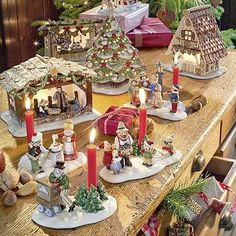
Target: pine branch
{"points": [[178, 201]]}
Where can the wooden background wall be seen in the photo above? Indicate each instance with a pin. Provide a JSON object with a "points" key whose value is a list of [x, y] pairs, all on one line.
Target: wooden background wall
{"points": [[18, 35]]}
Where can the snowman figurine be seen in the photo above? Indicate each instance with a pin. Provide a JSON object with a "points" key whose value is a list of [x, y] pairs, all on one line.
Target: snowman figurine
{"points": [[56, 152]]}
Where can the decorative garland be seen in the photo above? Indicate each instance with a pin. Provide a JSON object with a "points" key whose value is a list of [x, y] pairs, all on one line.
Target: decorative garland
{"points": [[33, 87]]}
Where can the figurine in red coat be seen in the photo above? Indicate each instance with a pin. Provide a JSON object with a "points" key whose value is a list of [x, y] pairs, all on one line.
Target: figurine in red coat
{"points": [[69, 141], [108, 150], [168, 145]]}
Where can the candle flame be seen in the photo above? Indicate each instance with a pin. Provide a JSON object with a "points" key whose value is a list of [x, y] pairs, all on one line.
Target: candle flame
{"points": [[142, 96], [92, 135], [27, 103]]}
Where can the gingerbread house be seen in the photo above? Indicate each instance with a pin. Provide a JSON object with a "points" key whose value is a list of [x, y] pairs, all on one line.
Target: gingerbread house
{"points": [[58, 89], [69, 40], [197, 46]]}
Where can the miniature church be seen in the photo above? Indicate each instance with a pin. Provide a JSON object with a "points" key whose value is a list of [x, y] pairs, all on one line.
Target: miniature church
{"points": [[197, 46]]}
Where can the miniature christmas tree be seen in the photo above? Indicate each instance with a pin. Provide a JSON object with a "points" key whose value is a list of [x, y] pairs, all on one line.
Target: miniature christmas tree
{"points": [[102, 192], [93, 203], [81, 196], [113, 57]]}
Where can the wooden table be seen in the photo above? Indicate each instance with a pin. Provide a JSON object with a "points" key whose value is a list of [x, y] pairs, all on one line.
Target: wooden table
{"points": [[137, 200]]}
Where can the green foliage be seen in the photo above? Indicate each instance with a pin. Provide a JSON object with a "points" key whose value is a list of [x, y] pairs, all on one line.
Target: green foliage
{"points": [[90, 201], [93, 203], [178, 201], [102, 192], [228, 36], [38, 23], [72, 8], [179, 6], [81, 196]]}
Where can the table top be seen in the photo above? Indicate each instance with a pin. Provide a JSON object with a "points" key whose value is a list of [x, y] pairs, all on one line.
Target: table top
{"points": [[136, 199]]}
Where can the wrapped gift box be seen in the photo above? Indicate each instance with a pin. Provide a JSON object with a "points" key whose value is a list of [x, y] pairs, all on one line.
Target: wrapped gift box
{"points": [[128, 20], [151, 33], [108, 123]]}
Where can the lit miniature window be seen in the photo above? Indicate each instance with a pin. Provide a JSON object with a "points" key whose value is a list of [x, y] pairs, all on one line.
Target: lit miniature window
{"points": [[188, 35]]}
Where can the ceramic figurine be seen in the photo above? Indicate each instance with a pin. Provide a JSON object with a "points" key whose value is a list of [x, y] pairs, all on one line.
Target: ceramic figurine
{"points": [[69, 141], [174, 98], [123, 144], [160, 74], [116, 163], [148, 152], [56, 152], [135, 97], [144, 80], [132, 85], [53, 202], [107, 156], [30, 161], [153, 83], [156, 100], [43, 108], [168, 145], [61, 99]]}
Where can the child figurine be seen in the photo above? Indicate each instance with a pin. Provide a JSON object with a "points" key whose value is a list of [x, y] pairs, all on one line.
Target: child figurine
{"points": [[174, 98], [148, 152], [107, 157], [116, 163], [133, 83], [168, 145], [43, 108], [123, 144], [30, 161], [135, 100], [144, 80], [69, 141], [156, 101]]}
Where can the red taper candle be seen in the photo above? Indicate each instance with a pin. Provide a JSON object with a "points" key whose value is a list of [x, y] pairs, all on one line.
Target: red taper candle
{"points": [[29, 120], [142, 117], [175, 75], [92, 162]]}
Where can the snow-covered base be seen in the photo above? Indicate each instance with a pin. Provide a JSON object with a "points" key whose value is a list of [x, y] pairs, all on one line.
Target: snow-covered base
{"points": [[18, 131], [138, 170], [48, 165], [222, 70], [164, 111], [77, 218], [107, 90]]}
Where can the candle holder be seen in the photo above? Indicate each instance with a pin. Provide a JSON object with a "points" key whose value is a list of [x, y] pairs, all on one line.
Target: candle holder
{"points": [[173, 109], [130, 160], [56, 208]]}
